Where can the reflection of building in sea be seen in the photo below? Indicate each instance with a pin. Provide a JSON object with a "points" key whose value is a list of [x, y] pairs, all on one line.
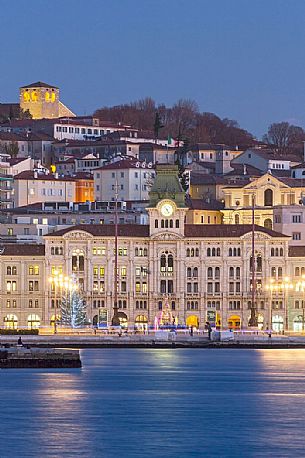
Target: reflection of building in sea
{"points": [[203, 270]]}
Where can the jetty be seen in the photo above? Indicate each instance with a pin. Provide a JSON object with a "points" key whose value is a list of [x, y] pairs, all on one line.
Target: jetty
{"points": [[39, 358]]}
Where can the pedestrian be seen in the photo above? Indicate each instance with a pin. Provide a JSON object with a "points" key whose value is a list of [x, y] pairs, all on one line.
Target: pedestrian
{"points": [[192, 331], [209, 328], [20, 342]]}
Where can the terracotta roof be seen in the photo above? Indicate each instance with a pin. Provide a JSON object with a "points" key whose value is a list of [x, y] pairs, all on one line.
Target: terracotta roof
{"points": [[18, 249], [292, 182], [29, 175], [225, 230], [191, 230], [39, 84], [205, 178], [296, 251], [201, 204], [123, 164], [106, 230]]}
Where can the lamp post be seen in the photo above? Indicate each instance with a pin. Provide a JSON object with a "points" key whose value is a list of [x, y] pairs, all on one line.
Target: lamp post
{"points": [[270, 287], [55, 280], [287, 285], [115, 318]]}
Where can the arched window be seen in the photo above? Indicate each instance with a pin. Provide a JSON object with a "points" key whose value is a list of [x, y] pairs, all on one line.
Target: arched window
{"points": [[231, 272], [276, 252], [187, 252], [297, 271], [189, 272], [302, 270], [78, 261], [209, 252], [14, 270], [281, 252], [197, 252], [162, 223], [145, 251], [170, 263], [213, 252], [10, 321], [210, 272], [166, 223], [8, 270], [280, 272], [272, 251], [259, 263], [192, 252], [218, 252], [268, 223], [230, 251], [177, 223], [238, 251], [137, 252], [268, 198], [163, 263], [156, 223], [236, 219], [217, 273], [195, 272], [237, 273], [171, 223]]}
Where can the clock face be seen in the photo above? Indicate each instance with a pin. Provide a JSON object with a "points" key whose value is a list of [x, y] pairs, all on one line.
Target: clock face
{"points": [[167, 209]]}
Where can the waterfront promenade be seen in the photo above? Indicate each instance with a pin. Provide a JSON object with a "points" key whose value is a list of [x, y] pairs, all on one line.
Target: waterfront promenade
{"points": [[159, 340]]}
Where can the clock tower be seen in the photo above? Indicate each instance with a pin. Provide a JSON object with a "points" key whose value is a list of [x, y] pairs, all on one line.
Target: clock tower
{"points": [[167, 207]]}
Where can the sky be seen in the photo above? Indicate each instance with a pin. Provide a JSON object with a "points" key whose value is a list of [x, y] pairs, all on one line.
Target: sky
{"points": [[240, 59]]}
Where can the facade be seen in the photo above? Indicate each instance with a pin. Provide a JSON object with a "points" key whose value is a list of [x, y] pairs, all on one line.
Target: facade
{"points": [[169, 271], [130, 178], [266, 159], [289, 220], [42, 101], [31, 186]]}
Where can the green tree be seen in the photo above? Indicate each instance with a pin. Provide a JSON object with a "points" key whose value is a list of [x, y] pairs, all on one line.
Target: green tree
{"points": [[11, 149], [181, 161]]}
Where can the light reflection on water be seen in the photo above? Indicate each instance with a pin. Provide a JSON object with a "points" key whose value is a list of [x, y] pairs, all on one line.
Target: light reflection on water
{"points": [[158, 403]]}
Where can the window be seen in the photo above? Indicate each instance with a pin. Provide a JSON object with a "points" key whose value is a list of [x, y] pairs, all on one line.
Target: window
{"points": [[296, 218], [296, 236], [11, 286], [268, 198]]}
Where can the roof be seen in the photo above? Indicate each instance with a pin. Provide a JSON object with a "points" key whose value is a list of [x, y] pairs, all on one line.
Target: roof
{"points": [[106, 230], [122, 164], [201, 204], [191, 230], [204, 178], [244, 170], [39, 84], [296, 251], [30, 175], [24, 249], [292, 182]]}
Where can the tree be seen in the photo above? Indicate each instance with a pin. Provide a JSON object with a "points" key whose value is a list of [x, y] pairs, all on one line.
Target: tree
{"points": [[73, 310], [11, 149], [182, 162], [284, 137], [157, 125]]}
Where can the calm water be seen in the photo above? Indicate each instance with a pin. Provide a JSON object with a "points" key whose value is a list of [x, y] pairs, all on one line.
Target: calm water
{"points": [[158, 403]]}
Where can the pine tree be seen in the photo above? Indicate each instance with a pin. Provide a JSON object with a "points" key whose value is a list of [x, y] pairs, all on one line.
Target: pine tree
{"points": [[157, 125], [181, 162], [73, 310]]}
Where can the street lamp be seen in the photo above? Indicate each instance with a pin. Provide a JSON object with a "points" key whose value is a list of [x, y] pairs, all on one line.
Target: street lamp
{"points": [[270, 287], [287, 285], [55, 280]]}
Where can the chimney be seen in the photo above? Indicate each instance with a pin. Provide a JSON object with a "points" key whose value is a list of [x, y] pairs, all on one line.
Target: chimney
{"points": [[245, 169]]}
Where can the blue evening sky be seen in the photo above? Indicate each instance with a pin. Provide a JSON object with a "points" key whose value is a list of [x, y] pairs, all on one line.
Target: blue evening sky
{"points": [[241, 59]]}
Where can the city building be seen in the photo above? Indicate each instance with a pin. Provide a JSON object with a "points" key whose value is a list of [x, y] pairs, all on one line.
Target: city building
{"points": [[129, 178]]}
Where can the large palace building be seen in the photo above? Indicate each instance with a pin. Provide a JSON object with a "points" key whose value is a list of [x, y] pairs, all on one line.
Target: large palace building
{"points": [[168, 271]]}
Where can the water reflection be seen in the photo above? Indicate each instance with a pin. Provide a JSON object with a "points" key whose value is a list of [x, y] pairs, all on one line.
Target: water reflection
{"points": [[158, 403]]}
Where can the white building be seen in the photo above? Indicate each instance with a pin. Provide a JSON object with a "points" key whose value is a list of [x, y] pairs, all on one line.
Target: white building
{"points": [[131, 179]]}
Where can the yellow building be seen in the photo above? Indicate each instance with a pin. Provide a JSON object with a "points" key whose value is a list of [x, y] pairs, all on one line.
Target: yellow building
{"points": [[42, 101], [267, 190]]}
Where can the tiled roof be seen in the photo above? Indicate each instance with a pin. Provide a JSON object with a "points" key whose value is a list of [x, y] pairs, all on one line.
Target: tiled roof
{"points": [[225, 230], [292, 182], [191, 230], [296, 251], [205, 178], [123, 164], [18, 249], [200, 204], [29, 175], [107, 230], [39, 84]]}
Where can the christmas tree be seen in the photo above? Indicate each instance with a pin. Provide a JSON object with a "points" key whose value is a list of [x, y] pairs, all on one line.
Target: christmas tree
{"points": [[73, 310]]}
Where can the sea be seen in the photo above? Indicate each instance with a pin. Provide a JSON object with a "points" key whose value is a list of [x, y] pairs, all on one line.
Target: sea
{"points": [[158, 403]]}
